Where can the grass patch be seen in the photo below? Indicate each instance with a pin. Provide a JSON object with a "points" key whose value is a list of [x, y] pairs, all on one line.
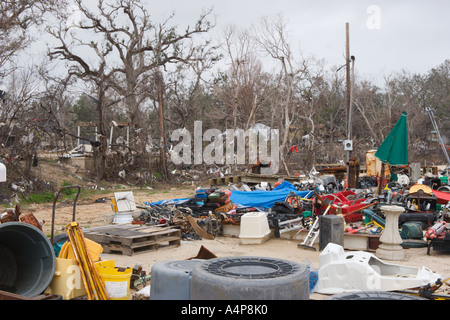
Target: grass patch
{"points": [[68, 191], [45, 197], [48, 196]]}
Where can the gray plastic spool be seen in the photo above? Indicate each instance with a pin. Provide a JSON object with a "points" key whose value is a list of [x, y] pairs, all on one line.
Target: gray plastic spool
{"points": [[171, 280], [374, 295], [27, 259], [249, 278]]}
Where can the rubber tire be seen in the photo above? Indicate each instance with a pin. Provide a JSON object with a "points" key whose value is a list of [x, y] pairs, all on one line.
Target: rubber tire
{"points": [[374, 295], [249, 278]]}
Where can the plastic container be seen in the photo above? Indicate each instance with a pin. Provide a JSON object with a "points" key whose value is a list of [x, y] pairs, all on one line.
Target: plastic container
{"points": [[171, 280], [67, 281], [94, 249], [202, 193], [116, 281], [254, 228], [27, 259], [374, 295], [249, 278], [123, 217]]}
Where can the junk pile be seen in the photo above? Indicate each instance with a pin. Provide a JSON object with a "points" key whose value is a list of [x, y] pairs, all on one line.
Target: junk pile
{"points": [[260, 212], [209, 209], [295, 207], [34, 266]]}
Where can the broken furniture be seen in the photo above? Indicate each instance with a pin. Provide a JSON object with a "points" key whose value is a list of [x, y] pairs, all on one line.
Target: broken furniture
{"points": [[123, 206], [352, 271]]}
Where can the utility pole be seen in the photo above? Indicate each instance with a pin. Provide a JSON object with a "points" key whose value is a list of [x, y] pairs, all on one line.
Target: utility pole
{"points": [[348, 144], [347, 61]]}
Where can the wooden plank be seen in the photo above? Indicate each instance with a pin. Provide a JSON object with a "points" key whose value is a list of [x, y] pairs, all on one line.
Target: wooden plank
{"points": [[141, 247]]}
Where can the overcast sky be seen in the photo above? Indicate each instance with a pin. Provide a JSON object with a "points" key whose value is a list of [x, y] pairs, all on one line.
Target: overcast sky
{"points": [[385, 36]]}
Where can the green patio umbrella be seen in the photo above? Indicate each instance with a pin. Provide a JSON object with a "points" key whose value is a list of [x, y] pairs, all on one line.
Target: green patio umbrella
{"points": [[394, 149]]}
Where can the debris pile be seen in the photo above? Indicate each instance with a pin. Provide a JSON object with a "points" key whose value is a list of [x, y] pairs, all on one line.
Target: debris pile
{"points": [[294, 210]]}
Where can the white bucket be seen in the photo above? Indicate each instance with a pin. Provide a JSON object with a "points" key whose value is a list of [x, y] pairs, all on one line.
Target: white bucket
{"points": [[123, 217]]}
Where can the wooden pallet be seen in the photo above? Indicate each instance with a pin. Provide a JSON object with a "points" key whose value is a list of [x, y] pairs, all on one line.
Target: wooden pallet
{"points": [[132, 239]]}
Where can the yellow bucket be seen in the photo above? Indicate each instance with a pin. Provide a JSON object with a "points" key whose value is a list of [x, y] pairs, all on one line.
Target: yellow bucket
{"points": [[117, 282]]}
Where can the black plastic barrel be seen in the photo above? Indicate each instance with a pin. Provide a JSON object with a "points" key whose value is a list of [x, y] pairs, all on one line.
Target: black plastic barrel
{"points": [[27, 259], [249, 278]]}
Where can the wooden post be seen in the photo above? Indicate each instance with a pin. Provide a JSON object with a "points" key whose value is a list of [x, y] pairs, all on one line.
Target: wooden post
{"points": [[347, 98]]}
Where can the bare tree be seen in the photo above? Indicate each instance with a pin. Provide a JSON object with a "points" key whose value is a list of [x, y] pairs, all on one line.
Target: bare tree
{"points": [[16, 19], [140, 48], [273, 38], [19, 135]]}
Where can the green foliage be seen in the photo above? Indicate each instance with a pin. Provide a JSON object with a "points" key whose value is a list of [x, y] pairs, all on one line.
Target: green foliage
{"points": [[45, 197], [68, 191], [84, 109]]}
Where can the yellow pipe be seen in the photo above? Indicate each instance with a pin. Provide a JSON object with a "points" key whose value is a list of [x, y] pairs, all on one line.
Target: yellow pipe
{"points": [[95, 288]]}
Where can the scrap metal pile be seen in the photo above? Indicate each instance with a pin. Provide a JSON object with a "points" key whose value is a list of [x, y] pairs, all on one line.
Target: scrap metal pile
{"points": [[427, 210]]}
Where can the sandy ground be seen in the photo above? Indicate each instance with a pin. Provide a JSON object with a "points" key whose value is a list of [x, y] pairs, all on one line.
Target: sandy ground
{"points": [[90, 214]]}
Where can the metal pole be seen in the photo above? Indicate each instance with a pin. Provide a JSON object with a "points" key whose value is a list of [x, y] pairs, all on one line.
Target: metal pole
{"points": [[441, 142]]}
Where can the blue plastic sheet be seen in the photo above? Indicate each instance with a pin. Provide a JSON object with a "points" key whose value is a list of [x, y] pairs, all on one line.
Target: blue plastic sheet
{"points": [[267, 198], [258, 198]]}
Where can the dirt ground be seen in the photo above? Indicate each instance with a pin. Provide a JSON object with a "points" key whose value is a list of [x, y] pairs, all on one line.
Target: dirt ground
{"points": [[90, 213]]}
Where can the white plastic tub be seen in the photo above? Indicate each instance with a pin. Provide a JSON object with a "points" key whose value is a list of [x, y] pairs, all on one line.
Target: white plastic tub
{"points": [[254, 228]]}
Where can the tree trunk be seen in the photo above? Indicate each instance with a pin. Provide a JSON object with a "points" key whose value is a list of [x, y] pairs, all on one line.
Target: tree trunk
{"points": [[163, 160]]}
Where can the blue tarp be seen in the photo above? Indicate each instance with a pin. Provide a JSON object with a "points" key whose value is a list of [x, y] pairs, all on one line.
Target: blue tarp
{"points": [[163, 202], [257, 198], [266, 199]]}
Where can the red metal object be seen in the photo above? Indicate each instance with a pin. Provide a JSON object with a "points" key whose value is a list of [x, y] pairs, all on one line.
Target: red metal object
{"points": [[347, 207]]}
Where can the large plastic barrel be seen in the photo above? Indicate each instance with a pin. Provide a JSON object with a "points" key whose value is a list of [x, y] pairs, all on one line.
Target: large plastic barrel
{"points": [[27, 259], [171, 280], [374, 295], [249, 278]]}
